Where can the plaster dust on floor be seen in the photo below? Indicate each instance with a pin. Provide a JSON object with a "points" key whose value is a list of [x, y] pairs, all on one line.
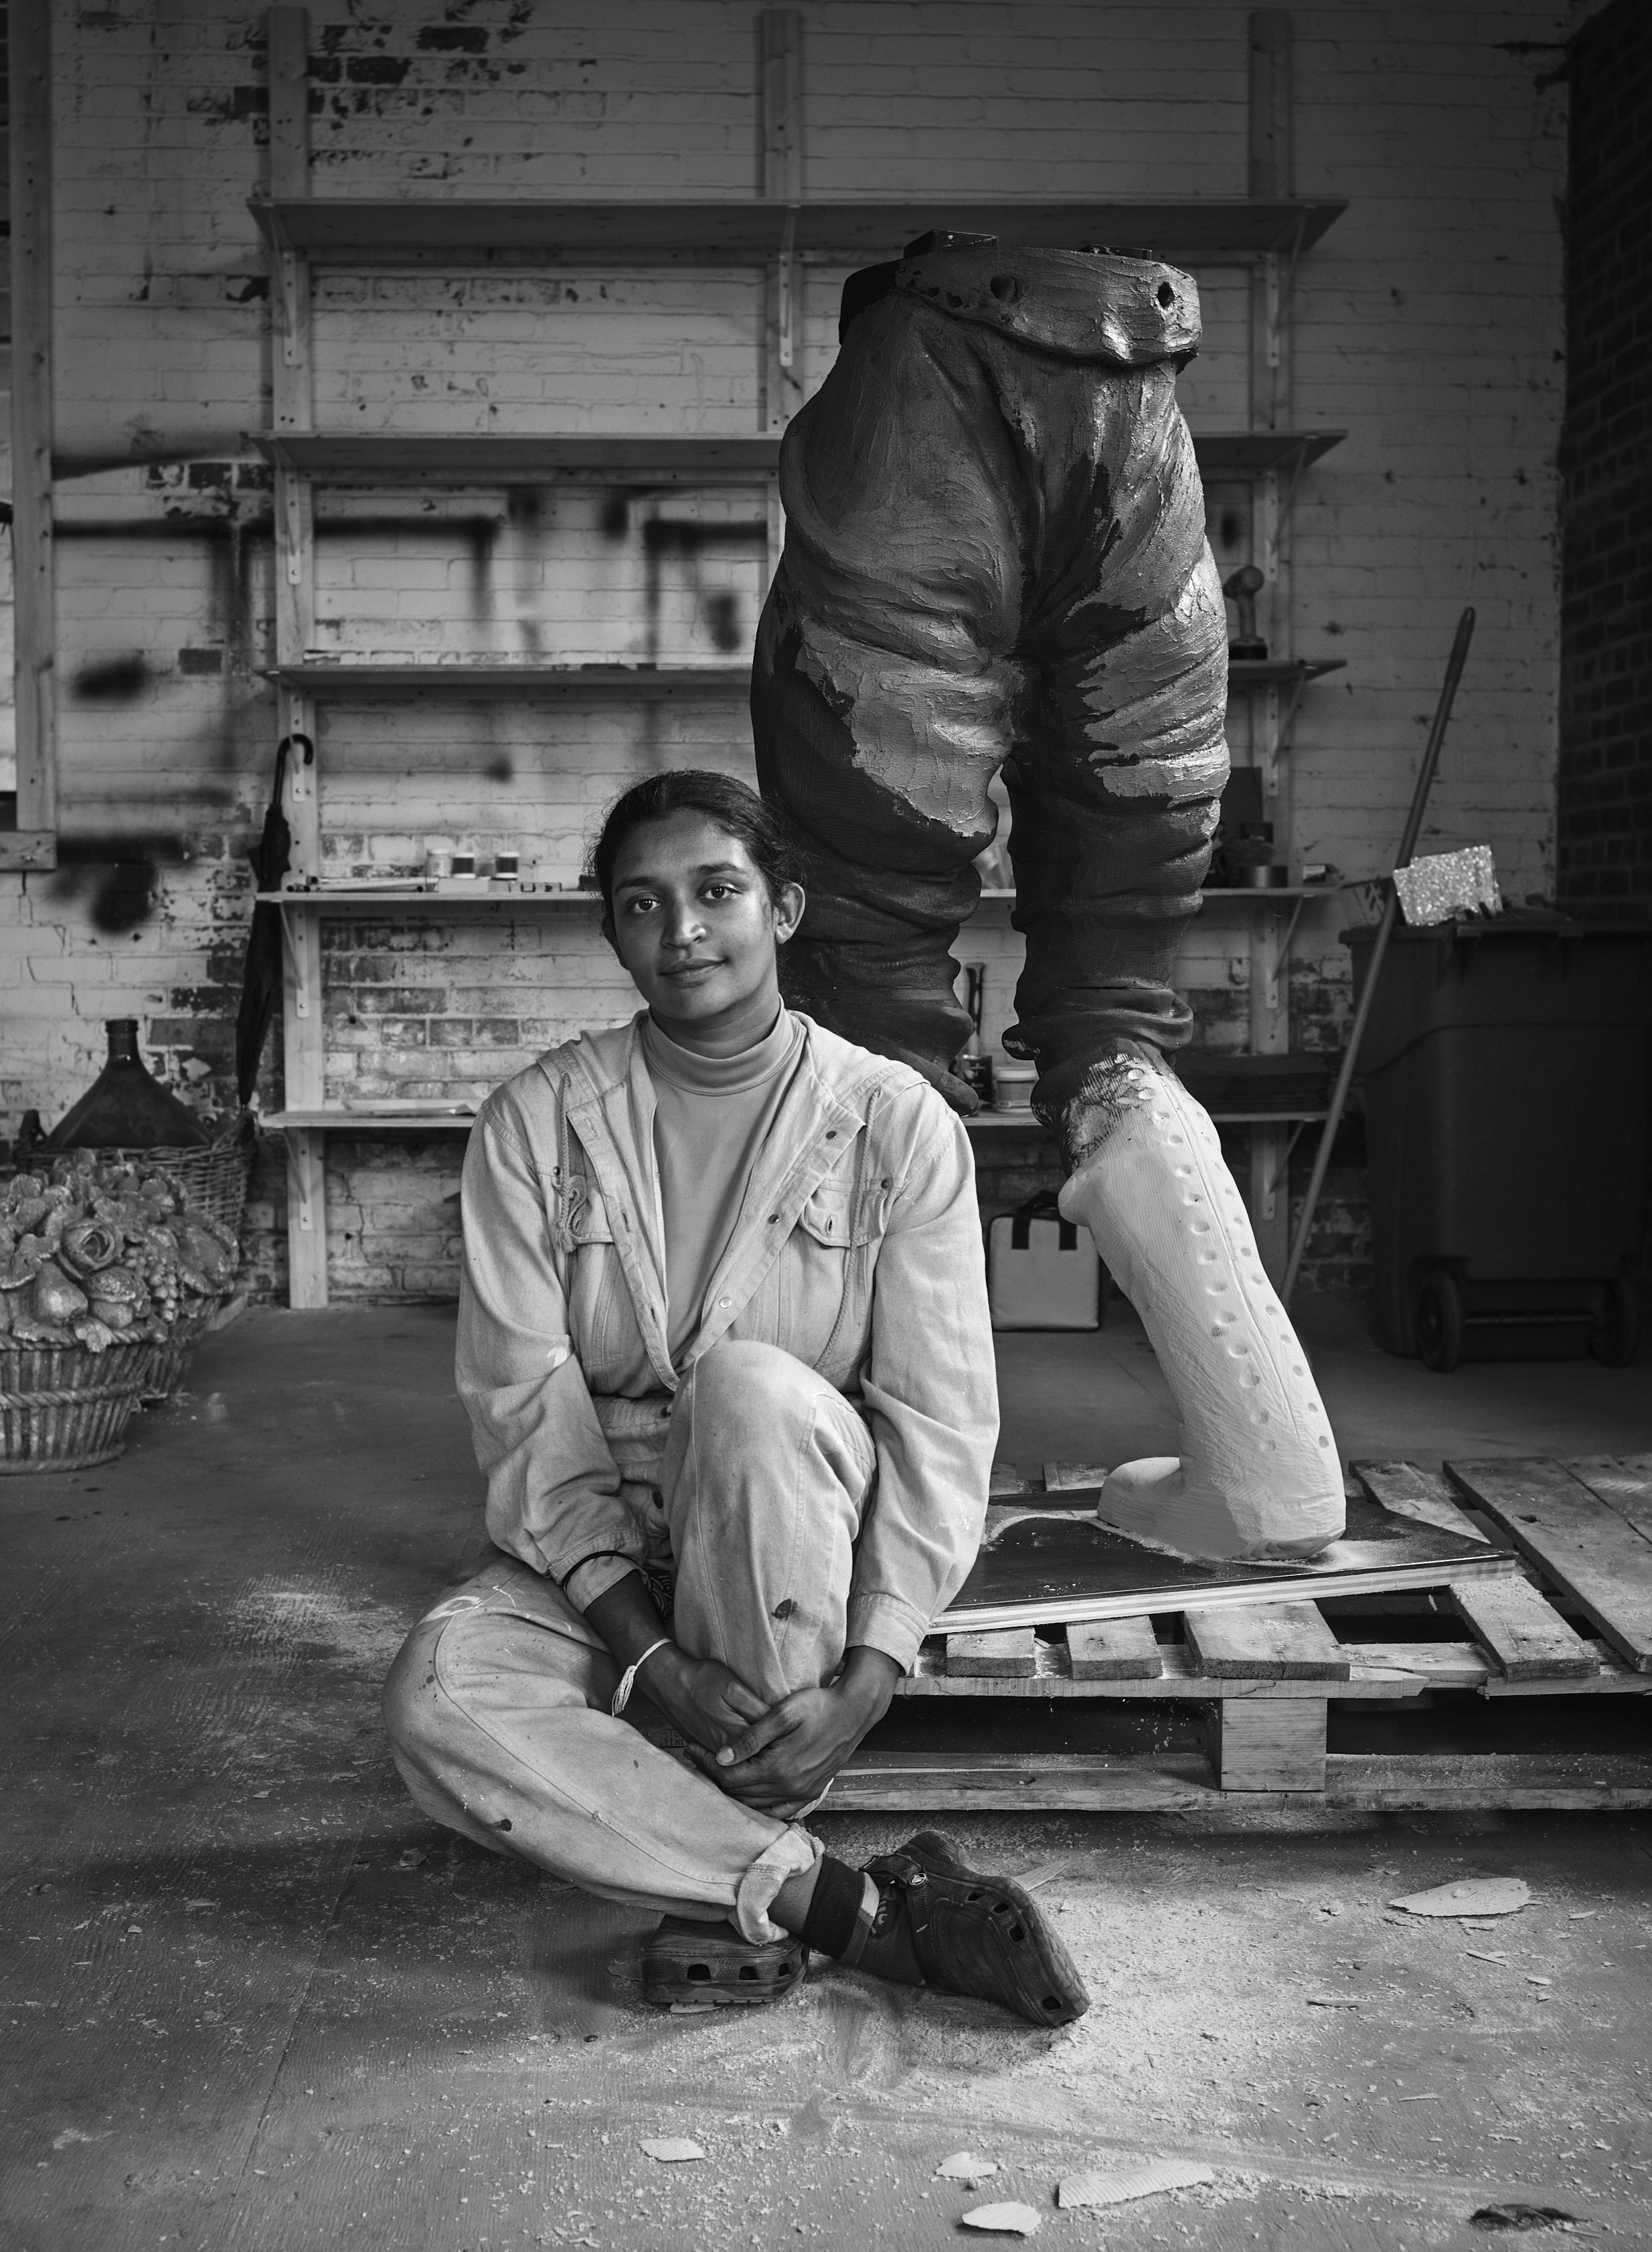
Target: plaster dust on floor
{"points": [[257, 2001]]}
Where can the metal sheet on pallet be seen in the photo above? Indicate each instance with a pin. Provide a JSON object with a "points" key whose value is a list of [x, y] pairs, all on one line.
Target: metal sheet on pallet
{"points": [[1051, 1559]]}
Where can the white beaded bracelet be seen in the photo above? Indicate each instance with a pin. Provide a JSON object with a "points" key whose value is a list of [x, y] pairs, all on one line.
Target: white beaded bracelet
{"points": [[622, 1695]]}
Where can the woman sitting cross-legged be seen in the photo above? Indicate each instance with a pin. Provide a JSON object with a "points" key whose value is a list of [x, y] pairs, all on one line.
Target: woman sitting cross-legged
{"points": [[724, 1340]]}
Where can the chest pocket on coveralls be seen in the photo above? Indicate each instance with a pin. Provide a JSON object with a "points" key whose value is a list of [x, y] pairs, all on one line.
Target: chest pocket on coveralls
{"points": [[827, 1216], [829, 1284]]}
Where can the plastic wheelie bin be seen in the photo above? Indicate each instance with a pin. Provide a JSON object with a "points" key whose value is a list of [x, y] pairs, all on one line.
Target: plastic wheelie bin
{"points": [[1506, 1072]]}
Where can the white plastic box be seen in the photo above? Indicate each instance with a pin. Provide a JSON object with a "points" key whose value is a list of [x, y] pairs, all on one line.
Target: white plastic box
{"points": [[1043, 1272]]}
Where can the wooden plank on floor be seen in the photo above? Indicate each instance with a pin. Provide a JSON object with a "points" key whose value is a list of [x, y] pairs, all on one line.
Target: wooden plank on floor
{"points": [[1586, 1547], [1527, 1637], [1424, 1495], [1115, 1650], [1009, 1655], [1265, 1642], [1624, 1483], [1367, 1781], [1096, 1782]]}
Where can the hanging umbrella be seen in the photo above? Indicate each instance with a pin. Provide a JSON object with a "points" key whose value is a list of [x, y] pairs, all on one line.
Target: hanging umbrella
{"points": [[261, 978]]}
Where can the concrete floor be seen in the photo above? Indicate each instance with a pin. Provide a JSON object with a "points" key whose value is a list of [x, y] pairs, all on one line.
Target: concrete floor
{"points": [[254, 2000]]}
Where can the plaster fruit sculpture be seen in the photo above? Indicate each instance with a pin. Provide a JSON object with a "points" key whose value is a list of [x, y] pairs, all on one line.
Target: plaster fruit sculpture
{"points": [[98, 1253], [996, 562]]}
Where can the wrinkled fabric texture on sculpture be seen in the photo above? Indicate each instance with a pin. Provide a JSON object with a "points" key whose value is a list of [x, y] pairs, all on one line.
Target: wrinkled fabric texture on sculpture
{"points": [[996, 556]]}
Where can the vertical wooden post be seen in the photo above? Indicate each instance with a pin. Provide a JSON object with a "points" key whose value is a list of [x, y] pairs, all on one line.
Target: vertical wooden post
{"points": [[781, 33], [1270, 181], [33, 844], [292, 409]]}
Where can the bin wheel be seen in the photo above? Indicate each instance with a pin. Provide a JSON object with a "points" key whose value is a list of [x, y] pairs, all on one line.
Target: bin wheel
{"points": [[1440, 1323], [1615, 1338]]}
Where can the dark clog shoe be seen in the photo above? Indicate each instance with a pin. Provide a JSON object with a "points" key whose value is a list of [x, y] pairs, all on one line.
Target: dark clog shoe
{"points": [[973, 1934]]}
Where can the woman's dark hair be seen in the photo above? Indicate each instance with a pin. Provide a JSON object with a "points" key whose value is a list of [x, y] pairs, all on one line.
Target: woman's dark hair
{"points": [[734, 807]]}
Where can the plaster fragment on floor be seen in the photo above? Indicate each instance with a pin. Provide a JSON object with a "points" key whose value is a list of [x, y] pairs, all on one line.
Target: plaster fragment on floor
{"points": [[1002, 2219], [1470, 1896], [963, 2166], [1121, 2185]]}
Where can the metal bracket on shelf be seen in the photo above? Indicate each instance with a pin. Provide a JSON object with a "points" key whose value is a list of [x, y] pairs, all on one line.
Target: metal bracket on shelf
{"points": [[786, 286], [298, 1177], [292, 305], [293, 512]]}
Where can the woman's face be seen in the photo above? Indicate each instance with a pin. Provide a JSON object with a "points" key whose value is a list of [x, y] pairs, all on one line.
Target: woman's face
{"points": [[694, 925]]}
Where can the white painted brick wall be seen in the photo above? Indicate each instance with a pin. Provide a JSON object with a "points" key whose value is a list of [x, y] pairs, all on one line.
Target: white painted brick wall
{"points": [[1427, 325]]}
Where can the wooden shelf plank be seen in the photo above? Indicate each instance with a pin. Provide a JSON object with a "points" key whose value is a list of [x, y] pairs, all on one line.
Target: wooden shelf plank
{"points": [[639, 683], [496, 458], [1246, 672], [1262, 895], [380, 900], [336, 1120], [998, 1119], [28, 850], [490, 457], [1249, 453], [335, 231], [1583, 1545]]}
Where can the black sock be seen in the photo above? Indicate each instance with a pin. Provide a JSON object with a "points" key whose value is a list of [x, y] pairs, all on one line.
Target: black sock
{"points": [[835, 1909]]}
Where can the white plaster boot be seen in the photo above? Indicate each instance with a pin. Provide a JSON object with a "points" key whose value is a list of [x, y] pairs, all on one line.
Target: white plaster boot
{"points": [[1259, 1471]]}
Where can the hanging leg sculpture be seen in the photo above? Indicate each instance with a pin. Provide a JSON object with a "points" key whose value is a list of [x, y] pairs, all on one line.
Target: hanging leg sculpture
{"points": [[996, 557]]}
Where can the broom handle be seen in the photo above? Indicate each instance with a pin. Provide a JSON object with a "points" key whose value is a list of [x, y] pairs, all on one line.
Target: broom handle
{"points": [[1385, 931]]}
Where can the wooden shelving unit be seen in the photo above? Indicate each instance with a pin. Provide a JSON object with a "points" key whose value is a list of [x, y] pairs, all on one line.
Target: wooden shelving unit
{"points": [[490, 457], [480, 231], [777, 236], [562, 684]]}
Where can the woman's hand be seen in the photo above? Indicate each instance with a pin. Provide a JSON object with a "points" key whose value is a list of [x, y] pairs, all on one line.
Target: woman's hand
{"points": [[710, 1706], [786, 1757], [708, 1703]]}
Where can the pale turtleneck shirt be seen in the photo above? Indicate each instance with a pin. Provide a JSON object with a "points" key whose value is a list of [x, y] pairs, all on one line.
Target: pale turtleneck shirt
{"points": [[711, 1116]]}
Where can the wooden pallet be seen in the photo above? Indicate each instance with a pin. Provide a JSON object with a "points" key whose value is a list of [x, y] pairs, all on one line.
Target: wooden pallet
{"points": [[1268, 1674]]}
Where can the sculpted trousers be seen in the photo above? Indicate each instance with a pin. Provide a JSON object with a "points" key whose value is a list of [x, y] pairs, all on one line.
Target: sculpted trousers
{"points": [[497, 1706], [994, 557]]}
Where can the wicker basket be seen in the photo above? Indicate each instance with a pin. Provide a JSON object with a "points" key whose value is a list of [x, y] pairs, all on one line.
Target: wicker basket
{"points": [[64, 1409], [212, 1180], [168, 1362]]}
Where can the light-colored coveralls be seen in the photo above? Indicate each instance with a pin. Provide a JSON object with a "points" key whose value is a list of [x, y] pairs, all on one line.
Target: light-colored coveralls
{"points": [[814, 1475]]}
